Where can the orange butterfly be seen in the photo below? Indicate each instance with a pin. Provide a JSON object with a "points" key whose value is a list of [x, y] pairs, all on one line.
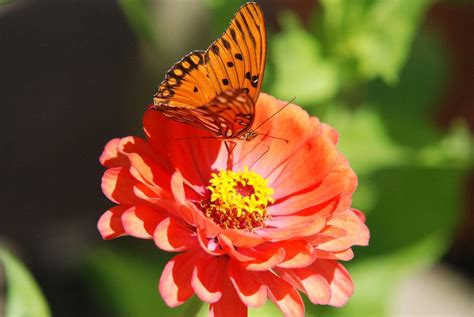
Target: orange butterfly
{"points": [[217, 89]]}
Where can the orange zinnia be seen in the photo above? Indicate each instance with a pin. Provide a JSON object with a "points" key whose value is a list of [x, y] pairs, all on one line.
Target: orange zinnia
{"points": [[268, 227]]}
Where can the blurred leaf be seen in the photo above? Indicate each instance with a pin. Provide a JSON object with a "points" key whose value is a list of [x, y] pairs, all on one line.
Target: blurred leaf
{"points": [[222, 12], [455, 149], [24, 297], [371, 38], [407, 109], [299, 69], [364, 139], [414, 203], [126, 282], [138, 15]]}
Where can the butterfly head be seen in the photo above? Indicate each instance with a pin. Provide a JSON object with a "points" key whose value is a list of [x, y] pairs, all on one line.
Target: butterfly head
{"points": [[249, 135]]}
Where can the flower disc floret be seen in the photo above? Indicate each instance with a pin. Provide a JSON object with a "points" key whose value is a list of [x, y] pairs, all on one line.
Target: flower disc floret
{"points": [[238, 200]]}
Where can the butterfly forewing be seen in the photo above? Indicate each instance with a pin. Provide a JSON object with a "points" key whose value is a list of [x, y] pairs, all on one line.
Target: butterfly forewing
{"points": [[237, 59], [186, 83], [217, 89]]}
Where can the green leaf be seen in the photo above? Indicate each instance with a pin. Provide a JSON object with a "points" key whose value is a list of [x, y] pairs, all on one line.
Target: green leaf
{"points": [[126, 282], [407, 109], [371, 38], [222, 12], [24, 297], [298, 66]]}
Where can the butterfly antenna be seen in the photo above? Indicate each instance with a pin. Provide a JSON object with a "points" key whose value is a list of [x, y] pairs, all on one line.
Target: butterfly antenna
{"points": [[274, 137], [274, 114], [261, 155]]}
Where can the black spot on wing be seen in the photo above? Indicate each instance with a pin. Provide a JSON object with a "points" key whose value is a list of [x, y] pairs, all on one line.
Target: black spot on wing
{"points": [[226, 43]]}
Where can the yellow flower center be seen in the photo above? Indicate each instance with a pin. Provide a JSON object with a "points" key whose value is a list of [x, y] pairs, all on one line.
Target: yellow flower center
{"points": [[238, 200]]}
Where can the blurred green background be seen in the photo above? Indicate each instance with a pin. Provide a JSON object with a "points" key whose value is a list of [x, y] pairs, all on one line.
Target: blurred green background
{"points": [[393, 76]]}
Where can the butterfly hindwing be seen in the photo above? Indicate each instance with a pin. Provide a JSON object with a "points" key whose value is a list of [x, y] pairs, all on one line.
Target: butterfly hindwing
{"points": [[227, 115]]}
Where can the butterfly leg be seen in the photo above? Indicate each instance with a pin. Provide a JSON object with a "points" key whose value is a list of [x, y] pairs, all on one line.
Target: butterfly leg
{"points": [[261, 155], [230, 146]]}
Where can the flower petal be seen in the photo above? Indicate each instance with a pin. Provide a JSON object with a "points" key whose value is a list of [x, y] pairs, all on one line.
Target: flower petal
{"points": [[207, 277], [344, 230], [174, 236], [314, 285], [229, 302], [292, 124], [298, 253], [192, 151], [243, 239], [110, 223], [345, 255], [339, 280], [251, 292], [316, 157], [140, 221], [175, 282], [118, 186], [330, 132], [340, 181], [110, 157], [146, 166], [308, 227], [283, 295]]}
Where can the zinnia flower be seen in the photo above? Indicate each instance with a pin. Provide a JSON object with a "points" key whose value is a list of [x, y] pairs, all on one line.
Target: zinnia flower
{"points": [[273, 220]]}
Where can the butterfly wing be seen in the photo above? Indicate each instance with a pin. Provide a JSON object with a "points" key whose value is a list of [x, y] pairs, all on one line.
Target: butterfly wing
{"points": [[235, 62], [237, 58], [215, 115]]}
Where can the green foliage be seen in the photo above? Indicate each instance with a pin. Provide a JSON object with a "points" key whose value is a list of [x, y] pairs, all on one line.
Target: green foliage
{"points": [[126, 282], [299, 68], [24, 297], [139, 17], [371, 38]]}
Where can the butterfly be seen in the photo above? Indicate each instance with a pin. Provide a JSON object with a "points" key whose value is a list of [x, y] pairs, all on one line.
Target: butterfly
{"points": [[217, 89]]}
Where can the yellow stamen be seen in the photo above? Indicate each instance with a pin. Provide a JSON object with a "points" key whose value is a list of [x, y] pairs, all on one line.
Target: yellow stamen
{"points": [[238, 200]]}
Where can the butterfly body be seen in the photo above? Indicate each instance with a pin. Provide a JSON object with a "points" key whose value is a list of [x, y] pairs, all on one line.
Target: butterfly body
{"points": [[217, 89]]}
